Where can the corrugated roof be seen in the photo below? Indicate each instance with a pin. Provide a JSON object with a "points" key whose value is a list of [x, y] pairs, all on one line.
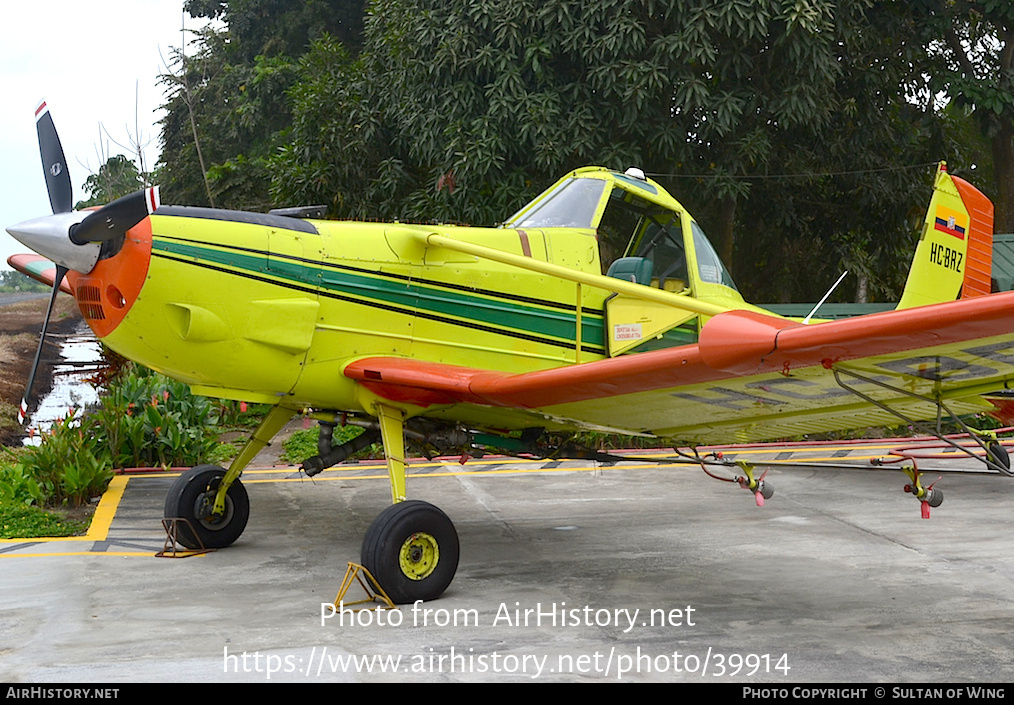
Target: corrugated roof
{"points": [[1003, 261], [827, 310]]}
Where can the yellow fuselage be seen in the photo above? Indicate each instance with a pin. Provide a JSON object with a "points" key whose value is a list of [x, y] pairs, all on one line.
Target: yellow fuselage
{"points": [[271, 309]]}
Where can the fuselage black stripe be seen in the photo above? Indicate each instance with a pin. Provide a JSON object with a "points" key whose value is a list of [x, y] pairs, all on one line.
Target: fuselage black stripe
{"points": [[383, 306], [519, 298]]}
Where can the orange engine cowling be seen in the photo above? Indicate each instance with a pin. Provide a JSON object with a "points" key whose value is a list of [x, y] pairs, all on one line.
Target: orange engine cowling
{"points": [[106, 293]]}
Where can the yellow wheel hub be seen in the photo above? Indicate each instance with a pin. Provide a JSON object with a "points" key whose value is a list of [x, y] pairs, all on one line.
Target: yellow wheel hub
{"points": [[419, 556]]}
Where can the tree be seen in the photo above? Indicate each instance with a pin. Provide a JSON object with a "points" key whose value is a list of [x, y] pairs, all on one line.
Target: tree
{"points": [[11, 280], [227, 105], [852, 195], [119, 176], [464, 110], [479, 89], [788, 127], [970, 57], [281, 27]]}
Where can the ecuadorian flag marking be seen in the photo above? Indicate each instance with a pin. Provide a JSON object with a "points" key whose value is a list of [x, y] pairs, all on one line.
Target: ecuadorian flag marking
{"points": [[951, 222]]}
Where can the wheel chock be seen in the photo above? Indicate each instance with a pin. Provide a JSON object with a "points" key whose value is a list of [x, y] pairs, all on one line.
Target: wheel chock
{"points": [[172, 548], [374, 593]]}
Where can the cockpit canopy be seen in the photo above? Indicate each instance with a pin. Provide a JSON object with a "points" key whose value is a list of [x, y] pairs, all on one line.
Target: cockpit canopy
{"points": [[632, 217]]}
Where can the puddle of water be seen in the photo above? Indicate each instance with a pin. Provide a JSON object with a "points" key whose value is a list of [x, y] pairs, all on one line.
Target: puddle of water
{"points": [[82, 355]]}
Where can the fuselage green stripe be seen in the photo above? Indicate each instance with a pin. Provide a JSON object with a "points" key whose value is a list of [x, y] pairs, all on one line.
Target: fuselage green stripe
{"points": [[487, 310]]}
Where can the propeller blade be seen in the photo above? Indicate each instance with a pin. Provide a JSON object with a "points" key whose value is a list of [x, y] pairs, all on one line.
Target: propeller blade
{"points": [[61, 193], [114, 220], [27, 399]]}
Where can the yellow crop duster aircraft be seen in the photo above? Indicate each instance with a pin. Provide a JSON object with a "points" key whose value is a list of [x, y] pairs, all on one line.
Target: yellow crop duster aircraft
{"points": [[460, 339]]}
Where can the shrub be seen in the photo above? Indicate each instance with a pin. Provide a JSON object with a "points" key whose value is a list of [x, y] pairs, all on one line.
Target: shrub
{"points": [[142, 419], [66, 467], [303, 444], [20, 521], [146, 419]]}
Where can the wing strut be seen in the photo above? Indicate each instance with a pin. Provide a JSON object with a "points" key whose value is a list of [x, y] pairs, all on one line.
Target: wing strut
{"points": [[990, 449]]}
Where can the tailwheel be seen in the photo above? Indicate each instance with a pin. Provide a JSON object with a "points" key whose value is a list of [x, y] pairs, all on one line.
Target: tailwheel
{"points": [[999, 455], [192, 497], [411, 548]]}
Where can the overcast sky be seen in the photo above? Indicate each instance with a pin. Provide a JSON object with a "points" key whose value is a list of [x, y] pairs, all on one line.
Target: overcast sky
{"points": [[92, 62]]}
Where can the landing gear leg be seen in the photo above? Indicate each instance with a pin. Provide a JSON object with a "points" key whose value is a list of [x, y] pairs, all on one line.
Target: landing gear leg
{"points": [[411, 548], [392, 429], [214, 501]]}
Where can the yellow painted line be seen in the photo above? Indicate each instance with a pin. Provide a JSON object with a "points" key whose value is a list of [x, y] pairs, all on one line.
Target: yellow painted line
{"points": [[578, 468], [455, 473], [102, 519], [829, 459], [634, 456], [150, 554], [327, 475], [106, 511], [800, 449]]}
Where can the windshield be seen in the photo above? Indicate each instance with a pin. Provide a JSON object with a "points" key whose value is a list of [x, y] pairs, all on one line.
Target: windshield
{"points": [[572, 204]]}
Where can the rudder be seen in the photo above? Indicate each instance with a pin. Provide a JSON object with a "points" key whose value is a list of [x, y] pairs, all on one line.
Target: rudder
{"points": [[979, 269]]}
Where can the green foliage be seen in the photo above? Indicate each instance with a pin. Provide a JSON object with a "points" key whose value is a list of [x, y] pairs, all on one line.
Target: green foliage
{"points": [[280, 27], [303, 444], [789, 128], [230, 88], [18, 484], [233, 415], [119, 176], [11, 281], [67, 467], [20, 521], [143, 419], [146, 419], [462, 111], [969, 57], [300, 445]]}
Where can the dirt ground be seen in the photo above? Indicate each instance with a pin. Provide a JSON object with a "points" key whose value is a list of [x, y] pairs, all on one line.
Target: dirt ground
{"points": [[20, 325]]}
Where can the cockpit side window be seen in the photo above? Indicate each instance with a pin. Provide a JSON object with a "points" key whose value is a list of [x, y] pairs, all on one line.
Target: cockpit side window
{"points": [[638, 228], [621, 222], [661, 241]]}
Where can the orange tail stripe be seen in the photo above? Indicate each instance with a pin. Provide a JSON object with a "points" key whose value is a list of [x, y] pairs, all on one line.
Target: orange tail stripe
{"points": [[979, 256]]}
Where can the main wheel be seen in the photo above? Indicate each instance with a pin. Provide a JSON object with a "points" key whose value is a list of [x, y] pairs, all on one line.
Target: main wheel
{"points": [[411, 548], [192, 497]]}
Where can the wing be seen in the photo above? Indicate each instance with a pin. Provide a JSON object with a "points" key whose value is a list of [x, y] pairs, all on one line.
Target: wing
{"points": [[751, 377]]}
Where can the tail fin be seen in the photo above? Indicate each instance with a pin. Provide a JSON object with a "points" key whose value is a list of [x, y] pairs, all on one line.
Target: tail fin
{"points": [[954, 257]]}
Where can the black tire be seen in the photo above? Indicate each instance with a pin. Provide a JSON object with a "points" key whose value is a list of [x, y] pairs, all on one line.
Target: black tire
{"points": [[192, 496], [1000, 457], [411, 548]]}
